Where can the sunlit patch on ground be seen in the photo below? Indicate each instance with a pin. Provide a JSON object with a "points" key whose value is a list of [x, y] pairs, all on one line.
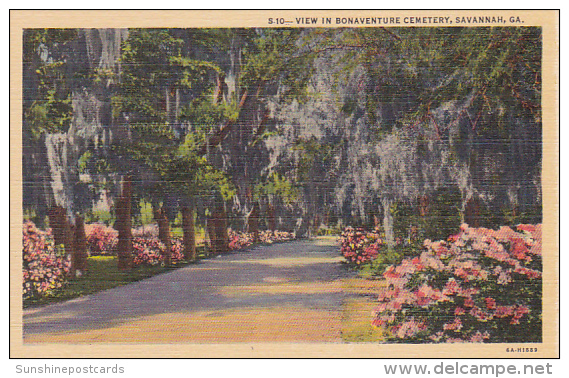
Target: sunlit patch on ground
{"points": [[284, 288], [275, 279], [294, 261], [329, 240], [282, 324]]}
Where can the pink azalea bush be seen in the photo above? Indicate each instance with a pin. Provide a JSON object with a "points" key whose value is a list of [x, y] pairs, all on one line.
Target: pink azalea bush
{"points": [[147, 251], [359, 246], [270, 236], [177, 250], [101, 239], [45, 267], [240, 240], [480, 285], [150, 251]]}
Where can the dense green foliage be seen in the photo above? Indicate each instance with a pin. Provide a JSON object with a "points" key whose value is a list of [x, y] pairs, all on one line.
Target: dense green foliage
{"points": [[48, 109], [408, 98], [156, 73]]}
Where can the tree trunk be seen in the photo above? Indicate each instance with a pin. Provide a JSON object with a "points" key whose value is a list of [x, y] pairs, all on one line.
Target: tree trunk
{"points": [[124, 226], [79, 257], [253, 223], [211, 227], [189, 234], [472, 212], [217, 231], [164, 234], [222, 238], [60, 228], [215, 139], [62, 231], [271, 217], [57, 222], [424, 205], [315, 224], [221, 89], [388, 222], [376, 222]]}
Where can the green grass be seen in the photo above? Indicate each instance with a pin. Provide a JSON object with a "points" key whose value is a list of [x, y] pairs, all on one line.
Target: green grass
{"points": [[178, 232], [103, 216], [146, 216], [356, 321]]}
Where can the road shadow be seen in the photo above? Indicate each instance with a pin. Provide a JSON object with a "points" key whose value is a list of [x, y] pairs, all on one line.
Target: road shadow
{"points": [[303, 275]]}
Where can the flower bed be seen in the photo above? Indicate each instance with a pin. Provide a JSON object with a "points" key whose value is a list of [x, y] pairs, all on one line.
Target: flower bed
{"points": [[359, 246], [101, 240], [240, 240], [150, 251], [44, 266], [269, 237], [480, 285], [147, 251], [177, 250]]}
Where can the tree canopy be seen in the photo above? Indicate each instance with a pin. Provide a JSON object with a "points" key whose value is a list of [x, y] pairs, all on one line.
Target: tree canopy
{"points": [[336, 124]]}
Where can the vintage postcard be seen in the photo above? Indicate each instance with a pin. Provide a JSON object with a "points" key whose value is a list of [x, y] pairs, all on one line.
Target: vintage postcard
{"points": [[284, 184]]}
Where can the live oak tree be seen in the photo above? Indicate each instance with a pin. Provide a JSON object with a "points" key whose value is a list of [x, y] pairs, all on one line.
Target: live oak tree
{"points": [[165, 98], [437, 104], [47, 109]]}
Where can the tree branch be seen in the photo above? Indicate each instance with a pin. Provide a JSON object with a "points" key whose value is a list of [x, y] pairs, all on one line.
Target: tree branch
{"points": [[215, 139]]}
